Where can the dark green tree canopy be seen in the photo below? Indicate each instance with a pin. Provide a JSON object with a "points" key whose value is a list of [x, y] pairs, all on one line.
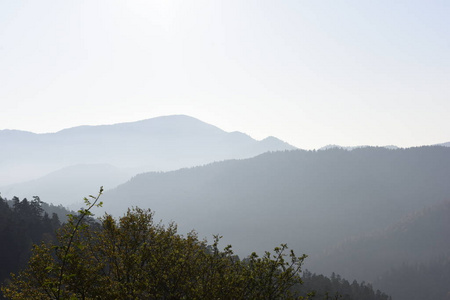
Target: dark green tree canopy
{"points": [[135, 258]]}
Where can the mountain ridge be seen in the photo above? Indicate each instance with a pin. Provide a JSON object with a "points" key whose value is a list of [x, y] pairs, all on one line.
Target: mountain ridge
{"points": [[350, 191], [156, 144]]}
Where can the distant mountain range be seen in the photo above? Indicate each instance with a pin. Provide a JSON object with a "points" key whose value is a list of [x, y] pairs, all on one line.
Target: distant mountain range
{"points": [[158, 144], [365, 146], [354, 147]]}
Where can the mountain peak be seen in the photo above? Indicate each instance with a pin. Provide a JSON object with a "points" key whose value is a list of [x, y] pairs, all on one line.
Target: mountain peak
{"points": [[171, 123], [276, 144]]}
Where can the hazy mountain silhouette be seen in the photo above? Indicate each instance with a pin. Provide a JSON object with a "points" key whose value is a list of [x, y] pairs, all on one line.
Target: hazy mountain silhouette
{"points": [[333, 146], [69, 185], [158, 144], [308, 199]]}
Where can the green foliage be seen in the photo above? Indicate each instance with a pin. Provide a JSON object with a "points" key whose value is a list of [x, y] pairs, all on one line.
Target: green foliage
{"points": [[135, 258]]}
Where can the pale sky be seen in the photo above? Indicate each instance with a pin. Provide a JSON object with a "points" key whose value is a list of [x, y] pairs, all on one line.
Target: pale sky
{"points": [[311, 73]]}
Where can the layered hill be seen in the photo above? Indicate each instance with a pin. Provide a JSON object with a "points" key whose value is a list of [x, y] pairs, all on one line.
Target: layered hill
{"points": [[308, 199], [69, 185]]}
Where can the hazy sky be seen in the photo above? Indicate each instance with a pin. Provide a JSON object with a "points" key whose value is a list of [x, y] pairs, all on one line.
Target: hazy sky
{"points": [[309, 72]]}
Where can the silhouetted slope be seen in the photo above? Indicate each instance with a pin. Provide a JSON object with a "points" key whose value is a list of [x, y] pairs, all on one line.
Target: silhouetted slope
{"points": [[418, 280], [421, 236], [309, 199]]}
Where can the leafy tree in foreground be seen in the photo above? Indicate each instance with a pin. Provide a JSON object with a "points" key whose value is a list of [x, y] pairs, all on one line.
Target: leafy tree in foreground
{"points": [[134, 258]]}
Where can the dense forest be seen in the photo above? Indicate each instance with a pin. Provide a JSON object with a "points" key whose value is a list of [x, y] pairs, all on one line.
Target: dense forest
{"points": [[24, 223], [336, 287]]}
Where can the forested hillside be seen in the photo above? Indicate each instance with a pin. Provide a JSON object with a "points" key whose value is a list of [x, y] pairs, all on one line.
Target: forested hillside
{"points": [[22, 224], [421, 236], [361, 213], [336, 287], [418, 280], [310, 199]]}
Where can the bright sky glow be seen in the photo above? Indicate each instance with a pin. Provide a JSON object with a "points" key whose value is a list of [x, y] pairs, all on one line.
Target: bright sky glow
{"points": [[308, 72]]}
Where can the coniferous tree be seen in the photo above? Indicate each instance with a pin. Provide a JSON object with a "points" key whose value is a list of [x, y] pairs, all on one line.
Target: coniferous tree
{"points": [[22, 224]]}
